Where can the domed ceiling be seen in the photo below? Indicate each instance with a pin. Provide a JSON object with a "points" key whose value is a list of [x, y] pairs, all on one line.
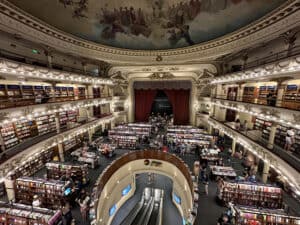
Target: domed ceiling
{"points": [[148, 24]]}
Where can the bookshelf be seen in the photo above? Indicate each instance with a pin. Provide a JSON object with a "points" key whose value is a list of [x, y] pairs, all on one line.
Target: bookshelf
{"points": [[26, 129], [263, 92], [51, 193], [37, 162], [250, 194], [19, 214], [46, 124], [8, 136], [250, 215], [81, 92], [250, 94], [69, 144], [14, 91], [70, 92], [28, 93], [55, 170], [291, 97], [72, 115], [63, 119], [263, 126]]}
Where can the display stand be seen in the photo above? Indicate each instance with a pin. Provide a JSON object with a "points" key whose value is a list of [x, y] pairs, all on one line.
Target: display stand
{"points": [[254, 216], [55, 170], [51, 193], [18, 214], [251, 194], [223, 171]]}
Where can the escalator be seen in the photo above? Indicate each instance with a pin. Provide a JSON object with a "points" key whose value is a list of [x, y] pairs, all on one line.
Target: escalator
{"points": [[148, 210], [139, 208], [155, 218]]}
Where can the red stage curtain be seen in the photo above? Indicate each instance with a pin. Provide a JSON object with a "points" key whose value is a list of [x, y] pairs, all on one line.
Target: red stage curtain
{"points": [[143, 104], [180, 100]]}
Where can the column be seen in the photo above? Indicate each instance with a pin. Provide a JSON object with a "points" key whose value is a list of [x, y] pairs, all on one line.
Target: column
{"points": [[240, 92], [210, 129], [90, 133], [61, 152], [265, 173], [53, 84], [280, 92], [49, 58], [57, 123], [233, 146], [86, 91], [272, 136], [84, 67]]}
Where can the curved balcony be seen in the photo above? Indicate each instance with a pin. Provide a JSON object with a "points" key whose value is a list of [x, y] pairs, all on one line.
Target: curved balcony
{"points": [[25, 152], [254, 101], [288, 169], [35, 101]]}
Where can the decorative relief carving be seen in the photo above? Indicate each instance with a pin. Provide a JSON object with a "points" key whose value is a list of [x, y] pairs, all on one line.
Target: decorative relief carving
{"points": [[161, 76]]}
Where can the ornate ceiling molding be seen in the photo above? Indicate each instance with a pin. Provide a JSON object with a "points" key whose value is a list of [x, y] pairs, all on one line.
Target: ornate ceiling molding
{"points": [[161, 76], [14, 20]]}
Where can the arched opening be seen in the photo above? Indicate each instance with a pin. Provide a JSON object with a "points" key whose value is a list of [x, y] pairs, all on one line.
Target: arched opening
{"points": [[154, 181], [161, 104]]}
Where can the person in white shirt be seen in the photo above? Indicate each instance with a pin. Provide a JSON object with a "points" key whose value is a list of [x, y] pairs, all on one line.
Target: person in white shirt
{"points": [[289, 139], [36, 201]]}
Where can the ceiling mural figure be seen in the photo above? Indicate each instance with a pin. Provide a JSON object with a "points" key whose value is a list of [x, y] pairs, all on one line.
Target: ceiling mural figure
{"points": [[148, 24]]}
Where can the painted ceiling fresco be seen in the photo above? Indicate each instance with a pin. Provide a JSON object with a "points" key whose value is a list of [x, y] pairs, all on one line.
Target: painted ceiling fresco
{"points": [[148, 24]]}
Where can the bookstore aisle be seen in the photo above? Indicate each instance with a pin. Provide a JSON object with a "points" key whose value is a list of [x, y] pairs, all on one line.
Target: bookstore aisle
{"points": [[208, 210]]}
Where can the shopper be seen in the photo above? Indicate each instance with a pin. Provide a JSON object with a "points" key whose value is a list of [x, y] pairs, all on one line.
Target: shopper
{"points": [[36, 201], [245, 125], [205, 182], [67, 215], [83, 203], [237, 124], [289, 139]]}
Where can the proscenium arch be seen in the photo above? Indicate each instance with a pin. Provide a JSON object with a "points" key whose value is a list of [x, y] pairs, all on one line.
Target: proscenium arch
{"points": [[122, 172]]}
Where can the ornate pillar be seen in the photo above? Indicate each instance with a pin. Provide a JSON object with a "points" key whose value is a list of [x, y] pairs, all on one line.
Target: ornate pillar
{"points": [[272, 136], [240, 92], [265, 172], [61, 152], [233, 146], [57, 122], [280, 89], [84, 67], [49, 58]]}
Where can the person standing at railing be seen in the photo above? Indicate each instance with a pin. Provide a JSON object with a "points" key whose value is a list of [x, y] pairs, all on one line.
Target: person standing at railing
{"points": [[289, 139]]}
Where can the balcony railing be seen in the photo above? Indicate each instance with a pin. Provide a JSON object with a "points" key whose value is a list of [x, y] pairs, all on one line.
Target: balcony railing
{"points": [[292, 104], [291, 158], [23, 101], [274, 57], [9, 153]]}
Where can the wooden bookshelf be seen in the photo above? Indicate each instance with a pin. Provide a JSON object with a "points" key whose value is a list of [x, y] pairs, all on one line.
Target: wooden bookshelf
{"points": [[263, 126], [280, 136], [250, 94], [51, 193], [291, 97], [19, 214], [250, 194], [55, 170], [263, 92], [8, 136], [251, 215]]}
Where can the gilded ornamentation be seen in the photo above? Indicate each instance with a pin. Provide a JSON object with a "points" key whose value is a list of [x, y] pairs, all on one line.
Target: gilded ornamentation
{"points": [[161, 76]]}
